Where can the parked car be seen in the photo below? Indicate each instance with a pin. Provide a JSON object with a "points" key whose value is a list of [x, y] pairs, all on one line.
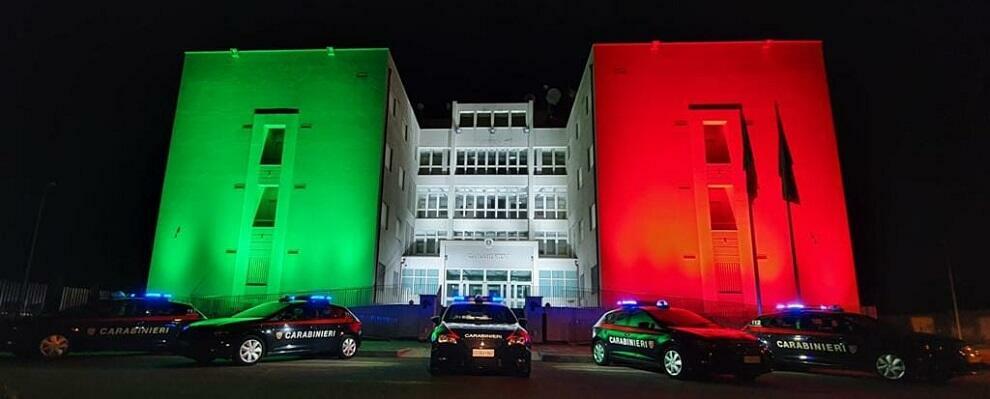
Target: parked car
{"points": [[480, 334], [683, 343], [292, 325], [802, 337], [149, 323]]}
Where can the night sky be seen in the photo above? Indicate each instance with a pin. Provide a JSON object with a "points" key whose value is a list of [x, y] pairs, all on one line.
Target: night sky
{"points": [[89, 95]]}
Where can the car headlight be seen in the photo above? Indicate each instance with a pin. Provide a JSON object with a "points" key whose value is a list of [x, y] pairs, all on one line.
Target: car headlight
{"points": [[969, 352]]}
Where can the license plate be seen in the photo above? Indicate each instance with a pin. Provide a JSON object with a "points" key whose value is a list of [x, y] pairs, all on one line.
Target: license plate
{"points": [[483, 352], [751, 359]]}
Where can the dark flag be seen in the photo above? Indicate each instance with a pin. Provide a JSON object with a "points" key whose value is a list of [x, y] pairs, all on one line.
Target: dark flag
{"points": [[785, 164], [752, 187]]}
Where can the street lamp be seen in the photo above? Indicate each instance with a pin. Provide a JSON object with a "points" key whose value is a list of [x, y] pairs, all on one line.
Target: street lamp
{"points": [[34, 240]]}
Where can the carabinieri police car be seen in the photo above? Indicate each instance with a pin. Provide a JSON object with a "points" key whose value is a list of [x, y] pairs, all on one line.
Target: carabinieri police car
{"points": [[480, 334], [802, 337], [683, 343], [292, 325], [148, 323]]}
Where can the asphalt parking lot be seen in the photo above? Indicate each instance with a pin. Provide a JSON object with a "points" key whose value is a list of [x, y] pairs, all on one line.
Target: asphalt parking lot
{"points": [[154, 376]]}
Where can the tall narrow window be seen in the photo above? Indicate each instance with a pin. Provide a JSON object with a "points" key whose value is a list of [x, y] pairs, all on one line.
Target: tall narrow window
{"points": [[388, 157], [716, 148], [383, 220], [402, 179], [720, 209], [264, 216], [271, 154]]}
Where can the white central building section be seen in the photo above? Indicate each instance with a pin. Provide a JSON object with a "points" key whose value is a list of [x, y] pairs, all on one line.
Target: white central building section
{"points": [[491, 212]]}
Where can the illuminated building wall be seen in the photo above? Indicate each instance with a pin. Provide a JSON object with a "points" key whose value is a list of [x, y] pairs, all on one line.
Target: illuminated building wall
{"points": [[672, 197], [274, 176]]}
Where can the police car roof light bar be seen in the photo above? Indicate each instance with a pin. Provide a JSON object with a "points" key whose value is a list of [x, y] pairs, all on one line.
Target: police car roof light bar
{"points": [[627, 302], [790, 306]]}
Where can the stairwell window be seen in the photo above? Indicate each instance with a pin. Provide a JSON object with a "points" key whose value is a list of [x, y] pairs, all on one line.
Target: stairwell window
{"points": [[720, 209], [264, 216], [271, 154], [716, 148]]}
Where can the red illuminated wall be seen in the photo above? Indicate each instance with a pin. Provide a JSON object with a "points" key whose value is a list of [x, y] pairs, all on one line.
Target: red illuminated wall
{"points": [[653, 179]]}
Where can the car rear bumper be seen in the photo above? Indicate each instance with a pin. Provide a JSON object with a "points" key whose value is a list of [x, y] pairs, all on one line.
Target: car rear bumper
{"points": [[448, 357]]}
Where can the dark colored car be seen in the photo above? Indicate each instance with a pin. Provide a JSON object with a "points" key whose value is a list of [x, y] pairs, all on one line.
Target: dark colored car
{"points": [[828, 337], [292, 325], [683, 343], [150, 323], [480, 335]]}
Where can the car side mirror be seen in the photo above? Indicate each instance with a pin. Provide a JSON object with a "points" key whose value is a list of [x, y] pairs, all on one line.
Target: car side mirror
{"points": [[435, 320], [523, 322]]}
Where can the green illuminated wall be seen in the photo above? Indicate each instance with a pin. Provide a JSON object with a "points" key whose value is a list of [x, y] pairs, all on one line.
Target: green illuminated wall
{"points": [[332, 107]]}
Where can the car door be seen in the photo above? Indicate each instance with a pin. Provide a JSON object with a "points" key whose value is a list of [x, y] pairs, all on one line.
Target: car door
{"points": [[861, 339], [329, 327], [782, 334], [642, 335], [293, 327], [618, 335], [822, 340]]}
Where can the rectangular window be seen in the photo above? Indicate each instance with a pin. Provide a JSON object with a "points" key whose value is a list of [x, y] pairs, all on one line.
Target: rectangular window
{"points": [[593, 214], [558, 285], [553, 243], [501, 118], [431, 204], [395, 105], [484, 119], [580, 231], [577, 131], [550, 203], [466, 119], [587, 105], [398, 228], [492, 161], [428, 242], [519, 119], [720, 208], [420, 281], [402, 179], [388, 157], [271, 154], [264, 216], [434, 161], [550, 161], [383, 220], [580, 178], [405, 133], [591, 157], [716, 148], [491, 203]]}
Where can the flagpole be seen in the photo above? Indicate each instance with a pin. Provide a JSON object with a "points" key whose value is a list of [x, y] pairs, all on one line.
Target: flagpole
{"points": [[794, 259], [751, 186], [756, 260]]}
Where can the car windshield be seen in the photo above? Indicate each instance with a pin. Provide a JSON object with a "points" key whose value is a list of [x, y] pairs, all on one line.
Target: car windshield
{"points": [[680, 318], [479, 314], [263, 310]]}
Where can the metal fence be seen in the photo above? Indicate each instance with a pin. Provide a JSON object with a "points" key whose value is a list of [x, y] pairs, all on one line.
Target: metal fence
{"points": [[12, 297]]}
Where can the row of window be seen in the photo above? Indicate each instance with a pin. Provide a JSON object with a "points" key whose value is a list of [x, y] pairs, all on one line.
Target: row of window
{"points": [[492, 205], [493, 161], [492, 119], [550, 243], [551, 283]]}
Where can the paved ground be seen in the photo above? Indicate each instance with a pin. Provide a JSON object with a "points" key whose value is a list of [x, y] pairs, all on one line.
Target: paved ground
{"points": [[145, 376]]}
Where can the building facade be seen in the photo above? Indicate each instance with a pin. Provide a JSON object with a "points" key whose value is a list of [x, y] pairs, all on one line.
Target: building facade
{"points": [[706, 173]]}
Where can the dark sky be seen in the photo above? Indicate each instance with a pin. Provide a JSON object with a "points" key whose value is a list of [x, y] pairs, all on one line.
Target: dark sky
{"points": [[89, 93]]}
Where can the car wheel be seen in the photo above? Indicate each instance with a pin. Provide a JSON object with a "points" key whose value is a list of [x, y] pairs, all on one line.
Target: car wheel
{"points": [[249, 351], [675, 364], [53, 346], [891, 366], [348, 347], [599, 353], [434, 369]]}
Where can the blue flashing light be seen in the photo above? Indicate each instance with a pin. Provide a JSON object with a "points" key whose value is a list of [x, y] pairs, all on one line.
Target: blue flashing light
{"points": [[459, 299], [628, 302], [790, 306], [155, 295], [496, 299], [320, 298]]}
